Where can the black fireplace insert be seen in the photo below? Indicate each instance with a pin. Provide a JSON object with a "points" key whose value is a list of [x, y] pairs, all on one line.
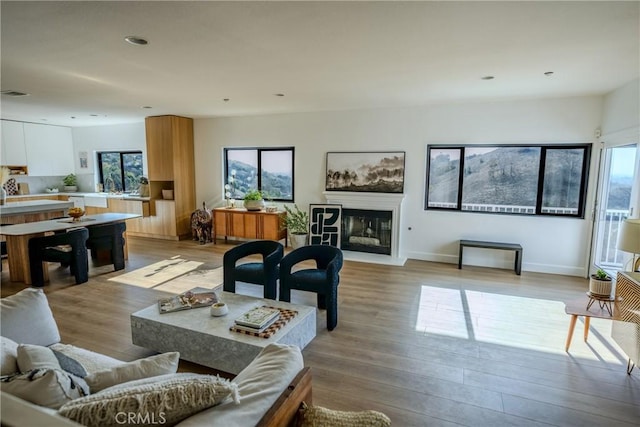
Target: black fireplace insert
{"points": [[365, 230]]}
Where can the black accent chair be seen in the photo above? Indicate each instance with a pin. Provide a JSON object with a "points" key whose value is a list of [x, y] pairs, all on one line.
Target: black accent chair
{"points": [[55, 248], [323, 279], [3, 250], [263, 273], [108, 237]]}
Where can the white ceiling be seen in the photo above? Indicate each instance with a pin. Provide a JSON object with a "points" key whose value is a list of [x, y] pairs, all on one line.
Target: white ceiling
{"points": [[72, 60]]}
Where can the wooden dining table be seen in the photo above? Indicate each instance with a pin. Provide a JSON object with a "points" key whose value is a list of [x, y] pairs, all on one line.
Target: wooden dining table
{"points": [[18, 235]]}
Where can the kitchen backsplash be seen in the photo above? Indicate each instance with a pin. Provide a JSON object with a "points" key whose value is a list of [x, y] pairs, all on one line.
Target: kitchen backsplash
{"points": [[38, 184]]}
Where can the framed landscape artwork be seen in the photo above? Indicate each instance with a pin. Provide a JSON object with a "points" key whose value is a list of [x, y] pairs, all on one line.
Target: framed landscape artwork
{"points": [[374, 172], [325, 223]]}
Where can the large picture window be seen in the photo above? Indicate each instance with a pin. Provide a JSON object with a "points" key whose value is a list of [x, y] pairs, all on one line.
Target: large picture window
{"points": [[269, 170], [512, 179], [120, 170]]}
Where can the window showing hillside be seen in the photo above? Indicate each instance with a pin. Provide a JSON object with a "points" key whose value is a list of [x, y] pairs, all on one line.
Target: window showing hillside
{"points": [[562, 180], [444, 178], [120, 171], [506, 176], [269, 170], [532, 179]]}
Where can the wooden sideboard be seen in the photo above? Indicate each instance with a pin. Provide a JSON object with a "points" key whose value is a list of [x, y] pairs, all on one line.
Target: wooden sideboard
{"points": [[626, 316], [245, 224]]}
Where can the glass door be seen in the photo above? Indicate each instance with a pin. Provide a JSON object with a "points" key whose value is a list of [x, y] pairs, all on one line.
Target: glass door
{"points": [[618, 200]]}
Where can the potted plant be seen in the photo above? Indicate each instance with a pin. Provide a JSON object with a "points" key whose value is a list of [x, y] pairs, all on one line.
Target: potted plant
{"points": [[600, 284], [70, 183], [253, 200], [143, 188], [297, 223]]}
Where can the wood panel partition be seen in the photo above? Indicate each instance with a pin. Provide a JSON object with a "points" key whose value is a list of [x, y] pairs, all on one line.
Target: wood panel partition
{"points": [[170, 159]]}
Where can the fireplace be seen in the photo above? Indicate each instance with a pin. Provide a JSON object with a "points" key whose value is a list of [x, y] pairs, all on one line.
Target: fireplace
{"points": [[370, 226], [365, 230]]}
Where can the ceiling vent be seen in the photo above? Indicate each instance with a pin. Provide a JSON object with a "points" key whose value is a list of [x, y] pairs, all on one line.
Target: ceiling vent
{"points": [[13, 93]]}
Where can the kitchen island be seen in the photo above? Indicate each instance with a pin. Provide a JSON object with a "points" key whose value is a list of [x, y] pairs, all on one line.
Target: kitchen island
{"points": [[18, 237], [33, 210]]}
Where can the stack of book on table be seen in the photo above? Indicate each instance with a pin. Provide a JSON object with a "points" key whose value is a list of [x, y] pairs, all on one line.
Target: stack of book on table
{"points": [[257, 319]]}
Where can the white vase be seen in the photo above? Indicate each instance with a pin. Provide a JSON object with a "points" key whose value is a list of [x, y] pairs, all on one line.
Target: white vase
{"points": [[600, 288], [298, 240], [254, 205]]}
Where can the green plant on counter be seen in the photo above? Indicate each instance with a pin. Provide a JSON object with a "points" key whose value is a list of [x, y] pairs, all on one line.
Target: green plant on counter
{"points": [[70, 180], [253, 195], [143, 180]]}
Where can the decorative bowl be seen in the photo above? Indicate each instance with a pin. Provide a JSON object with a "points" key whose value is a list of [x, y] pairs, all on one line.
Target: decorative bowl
{"points": [[219, 309], [75, 213]]}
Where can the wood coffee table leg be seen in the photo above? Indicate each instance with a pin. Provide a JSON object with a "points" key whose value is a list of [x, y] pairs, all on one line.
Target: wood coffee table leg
{"points": [[572, 325], [587, 319]]}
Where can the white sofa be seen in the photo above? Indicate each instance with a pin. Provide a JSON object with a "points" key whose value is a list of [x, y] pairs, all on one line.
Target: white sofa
{"points": [[270, 389]]}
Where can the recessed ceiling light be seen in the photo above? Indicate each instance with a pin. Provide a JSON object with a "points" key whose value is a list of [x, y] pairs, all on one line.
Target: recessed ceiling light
{"points": [[279, 94], [13, 93], [226, 99], [93, 115], [73, 117], [138, 41], [548, 73], [488, 78], [147, 107]]}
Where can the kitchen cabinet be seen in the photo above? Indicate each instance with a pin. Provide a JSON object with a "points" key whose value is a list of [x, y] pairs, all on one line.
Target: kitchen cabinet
{"points": [[32, 211], [49, 150], [162, 225], [37, 197], [160, 138], [12, 144], [171, 166], [249, 224]]}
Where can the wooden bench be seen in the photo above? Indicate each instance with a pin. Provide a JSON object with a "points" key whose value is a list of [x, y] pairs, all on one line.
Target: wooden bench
{"points": [[494, 245]]}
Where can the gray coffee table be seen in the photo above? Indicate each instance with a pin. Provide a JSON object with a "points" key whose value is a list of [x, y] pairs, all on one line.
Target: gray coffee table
{"points": [[207, 340]]}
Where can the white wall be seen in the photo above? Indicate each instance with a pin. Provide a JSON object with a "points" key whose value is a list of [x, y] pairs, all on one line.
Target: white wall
{"points": [[556, 245], [621, 113], [103, 138]]}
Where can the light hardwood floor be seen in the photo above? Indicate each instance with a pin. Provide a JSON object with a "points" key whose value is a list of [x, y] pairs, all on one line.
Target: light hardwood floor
{"points": [[427, 344]]}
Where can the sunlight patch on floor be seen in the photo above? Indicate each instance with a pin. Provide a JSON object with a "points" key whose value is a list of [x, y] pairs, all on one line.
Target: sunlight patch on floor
{"points": [[160, 272], [208, 279], [441, 312], [522, 322]]}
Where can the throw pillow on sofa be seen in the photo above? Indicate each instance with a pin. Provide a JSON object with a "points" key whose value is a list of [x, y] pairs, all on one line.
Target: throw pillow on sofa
{"points": [[30, 357], [90, 360], [25, 317], [316, 416], [163, 400], [42, 380], [51, 388], [160, 364], [8, 356]]}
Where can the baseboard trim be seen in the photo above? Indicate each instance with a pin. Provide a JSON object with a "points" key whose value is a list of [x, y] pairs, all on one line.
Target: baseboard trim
{"points": [[565, 270]]}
